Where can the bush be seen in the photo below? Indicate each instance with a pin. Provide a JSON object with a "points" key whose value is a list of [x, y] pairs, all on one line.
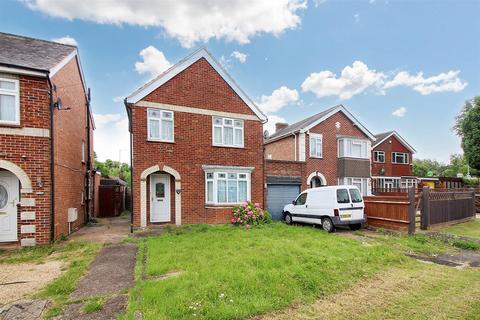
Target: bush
{"points": [[465, 244], [250, 214]]}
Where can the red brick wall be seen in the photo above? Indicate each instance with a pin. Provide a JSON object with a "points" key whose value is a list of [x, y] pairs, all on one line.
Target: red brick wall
{"points": [[202, 87], [70, 131], [283, 149], [32, 154], [390, 145]]}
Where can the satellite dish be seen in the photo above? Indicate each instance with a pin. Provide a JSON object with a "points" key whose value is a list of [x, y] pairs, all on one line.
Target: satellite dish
{"points": [[266, 134], [59, 104]]}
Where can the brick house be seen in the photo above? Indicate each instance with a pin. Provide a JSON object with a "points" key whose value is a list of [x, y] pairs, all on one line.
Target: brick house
{"points": [[392, 159], [196, 145], [331, 147], [45, 140]]}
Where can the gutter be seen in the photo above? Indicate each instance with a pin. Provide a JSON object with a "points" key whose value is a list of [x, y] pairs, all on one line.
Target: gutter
{"points": [[52, 161], [129, 115]]}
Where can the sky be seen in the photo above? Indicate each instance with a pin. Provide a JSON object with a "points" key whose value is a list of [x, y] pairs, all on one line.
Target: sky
{"points": [[407, 66]]}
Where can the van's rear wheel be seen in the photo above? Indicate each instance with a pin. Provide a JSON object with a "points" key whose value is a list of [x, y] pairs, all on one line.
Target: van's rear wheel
{"points": [[327, 225], [287, 217], [355, 226]]}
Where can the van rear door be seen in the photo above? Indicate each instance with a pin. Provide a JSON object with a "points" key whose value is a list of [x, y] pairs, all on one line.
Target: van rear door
{"points": [[350, 204]]}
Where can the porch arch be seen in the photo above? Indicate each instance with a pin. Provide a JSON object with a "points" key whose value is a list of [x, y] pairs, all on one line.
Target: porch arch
{"points": [[143, 192], [21, 175], [319, 175]]}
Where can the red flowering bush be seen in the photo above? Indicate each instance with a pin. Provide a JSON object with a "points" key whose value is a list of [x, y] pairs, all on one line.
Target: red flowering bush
{"points": [[249, 214]]}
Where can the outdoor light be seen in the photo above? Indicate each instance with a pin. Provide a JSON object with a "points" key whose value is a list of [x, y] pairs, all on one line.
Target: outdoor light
{"points": [[178, 191]]}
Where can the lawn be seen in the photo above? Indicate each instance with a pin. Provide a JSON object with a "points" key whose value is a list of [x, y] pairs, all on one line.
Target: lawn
{"points": [[232, 273], [467, 229]]}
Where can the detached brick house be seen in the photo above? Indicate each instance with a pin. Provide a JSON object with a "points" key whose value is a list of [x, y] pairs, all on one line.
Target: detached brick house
{"points": [[197, 146], [328, 148], [392, 159], [45, 138]]}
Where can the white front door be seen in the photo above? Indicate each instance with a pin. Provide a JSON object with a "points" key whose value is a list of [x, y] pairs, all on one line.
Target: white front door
{"points": [[159, 198], [9, 196]]}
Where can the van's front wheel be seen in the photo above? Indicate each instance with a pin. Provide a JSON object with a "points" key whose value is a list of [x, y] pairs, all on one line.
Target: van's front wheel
{"points": [[287, 217], [327, 225]]}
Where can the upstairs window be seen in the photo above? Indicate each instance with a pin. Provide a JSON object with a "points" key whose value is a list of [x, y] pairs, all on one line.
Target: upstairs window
{"points": [[353, 148], [9, 101], [160, 125], [399, 157], [227, 132], [379, 156], [316, 146]]}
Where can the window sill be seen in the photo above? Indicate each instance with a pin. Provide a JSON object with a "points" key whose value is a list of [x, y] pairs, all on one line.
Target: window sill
{"points": [[10, 124], [314, 157], [158, 140], [378, 161], [225, 146], [353, 158], [221, 205]]}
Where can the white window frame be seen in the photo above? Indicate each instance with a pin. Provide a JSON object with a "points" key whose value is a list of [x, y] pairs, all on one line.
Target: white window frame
{"points": [[394, 158], [409, 182], [234, 128], [16, 94], [316, 137], [365, 183], [160, 119], [344, 149], [376, 154], [216, 177]]}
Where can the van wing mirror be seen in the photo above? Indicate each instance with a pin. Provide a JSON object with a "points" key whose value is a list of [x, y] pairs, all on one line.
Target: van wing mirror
{"points": [[294, 202]]}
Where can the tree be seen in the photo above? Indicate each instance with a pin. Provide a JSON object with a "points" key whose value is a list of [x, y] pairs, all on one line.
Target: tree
{"points": [[427, 167], [468, 128], [113, 169]]}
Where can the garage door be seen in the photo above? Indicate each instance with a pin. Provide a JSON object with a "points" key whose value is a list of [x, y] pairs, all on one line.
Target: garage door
{"points": [[278, 196]]}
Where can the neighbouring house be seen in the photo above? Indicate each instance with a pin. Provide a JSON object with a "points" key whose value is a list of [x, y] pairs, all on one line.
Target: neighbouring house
{"points": [[197, 146], [329, 148], [392, 158], [45, 141]]}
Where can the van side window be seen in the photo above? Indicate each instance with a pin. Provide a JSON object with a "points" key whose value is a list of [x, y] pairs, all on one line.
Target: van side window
{"points": [[342, 196], [301, 199], [355, 195]]}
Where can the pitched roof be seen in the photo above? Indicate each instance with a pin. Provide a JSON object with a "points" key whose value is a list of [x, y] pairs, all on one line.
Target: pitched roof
{"points": [[183, 64], [310, 122], [24, 52], [385, 135]]}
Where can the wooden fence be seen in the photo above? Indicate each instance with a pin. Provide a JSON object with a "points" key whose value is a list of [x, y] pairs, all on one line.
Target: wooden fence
{"points": [[395, 212], [440, 207]]}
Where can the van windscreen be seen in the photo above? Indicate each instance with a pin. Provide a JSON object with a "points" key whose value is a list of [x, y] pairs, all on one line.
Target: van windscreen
{"points": [[355, 195], [342, 196]]}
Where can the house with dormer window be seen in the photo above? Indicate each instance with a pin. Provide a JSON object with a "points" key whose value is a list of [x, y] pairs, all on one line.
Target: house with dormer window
{"points": [[197, 146]]}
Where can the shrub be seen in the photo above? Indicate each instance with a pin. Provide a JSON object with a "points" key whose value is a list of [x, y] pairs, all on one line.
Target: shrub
{"points": [[465, 244], [250, 214]]}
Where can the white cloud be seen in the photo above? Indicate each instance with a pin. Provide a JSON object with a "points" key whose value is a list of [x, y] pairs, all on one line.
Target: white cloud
{"points": [[442, 82], [400, 112], [353, 80], [188, 21], [154, 62], [108, 126], [242, 57], [278, 99], [66, 40], [358, 78], [356, 16], [270, 125], [118, 99]]}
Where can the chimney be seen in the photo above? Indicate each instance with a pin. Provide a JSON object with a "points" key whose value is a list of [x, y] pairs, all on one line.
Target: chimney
{"points": [[280, 126]]}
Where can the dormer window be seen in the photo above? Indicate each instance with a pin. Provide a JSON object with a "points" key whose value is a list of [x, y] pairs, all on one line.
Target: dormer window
{"points": [[9, 101]]}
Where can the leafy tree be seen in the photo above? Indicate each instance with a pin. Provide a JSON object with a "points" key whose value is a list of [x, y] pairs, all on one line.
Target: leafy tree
{"points": [[468, 128], [113, 169]]}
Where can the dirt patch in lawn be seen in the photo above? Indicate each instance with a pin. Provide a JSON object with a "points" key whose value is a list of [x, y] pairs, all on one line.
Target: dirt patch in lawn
{"points": [[357, 300], [22, 279]]}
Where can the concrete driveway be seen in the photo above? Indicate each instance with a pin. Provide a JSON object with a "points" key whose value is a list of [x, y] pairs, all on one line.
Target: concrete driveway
{"points": [[106, 230]]}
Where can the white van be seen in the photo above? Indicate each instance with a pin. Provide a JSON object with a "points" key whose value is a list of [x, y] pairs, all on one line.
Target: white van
{"points": [[329, 206]]}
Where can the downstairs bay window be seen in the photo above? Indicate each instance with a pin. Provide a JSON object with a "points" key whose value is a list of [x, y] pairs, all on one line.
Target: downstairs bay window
{"points": [[227, 185]]}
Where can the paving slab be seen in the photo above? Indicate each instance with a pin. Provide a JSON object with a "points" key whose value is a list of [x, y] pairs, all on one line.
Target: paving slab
{"points": [[111, 272], [24, 310]]}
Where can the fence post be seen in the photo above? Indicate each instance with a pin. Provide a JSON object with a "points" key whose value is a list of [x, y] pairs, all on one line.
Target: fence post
{"points": [[474, 207], [425, 208], [411, 210]]}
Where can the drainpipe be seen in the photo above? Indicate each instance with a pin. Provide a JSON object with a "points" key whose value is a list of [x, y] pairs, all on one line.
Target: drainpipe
{"points": [[295, 137], [52, 160], [129, 115], [89, 162], [264, 175]]}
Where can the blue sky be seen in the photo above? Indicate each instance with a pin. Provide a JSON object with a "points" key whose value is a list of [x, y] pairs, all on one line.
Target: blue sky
{"points": [[295, 53]]}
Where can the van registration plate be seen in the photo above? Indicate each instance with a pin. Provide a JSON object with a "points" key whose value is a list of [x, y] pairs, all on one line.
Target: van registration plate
{"points": [[346, 215]]}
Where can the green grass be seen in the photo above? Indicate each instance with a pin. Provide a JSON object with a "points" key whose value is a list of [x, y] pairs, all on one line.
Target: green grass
{"points": [[93, 305], [469, 229], [232, 273]]}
